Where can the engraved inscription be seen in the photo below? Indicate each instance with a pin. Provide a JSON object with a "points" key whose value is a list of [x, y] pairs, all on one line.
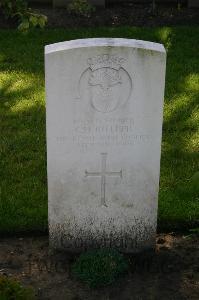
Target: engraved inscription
{"points": [[109, 132], [103, 173], [105, 83]]}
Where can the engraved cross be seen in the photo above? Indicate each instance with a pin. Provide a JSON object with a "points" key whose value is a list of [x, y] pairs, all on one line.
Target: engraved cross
{"points": [[103, 175]]}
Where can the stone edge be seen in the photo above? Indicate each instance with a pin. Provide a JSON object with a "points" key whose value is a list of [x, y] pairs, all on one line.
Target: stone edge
{"points": [[103, 42]]}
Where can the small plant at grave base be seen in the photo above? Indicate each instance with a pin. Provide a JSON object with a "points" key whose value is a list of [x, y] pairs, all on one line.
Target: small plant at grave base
{"points": [[11, 289], [81, 8], [99, 267], [25, 16]]}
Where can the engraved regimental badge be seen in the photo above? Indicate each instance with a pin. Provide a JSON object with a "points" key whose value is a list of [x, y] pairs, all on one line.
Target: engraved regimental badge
{"points": [[105, 83]]}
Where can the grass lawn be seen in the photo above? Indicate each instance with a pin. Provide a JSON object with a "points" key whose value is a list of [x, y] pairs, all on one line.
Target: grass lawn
{"points": [[23, 204]]}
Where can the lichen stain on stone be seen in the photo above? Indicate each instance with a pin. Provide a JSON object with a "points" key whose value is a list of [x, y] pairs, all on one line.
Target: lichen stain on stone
{"points": [[145, 53], [70, 236]]}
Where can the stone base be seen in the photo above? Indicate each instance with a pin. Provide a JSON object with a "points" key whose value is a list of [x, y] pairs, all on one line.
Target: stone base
{"points": [[72, 238], [64, 3]]}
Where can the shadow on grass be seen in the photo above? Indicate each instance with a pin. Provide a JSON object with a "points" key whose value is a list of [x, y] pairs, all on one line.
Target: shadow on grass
{"points": [[179, 199], [23, 203]]}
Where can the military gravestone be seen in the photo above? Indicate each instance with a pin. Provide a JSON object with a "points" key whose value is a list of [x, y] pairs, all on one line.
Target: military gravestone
{"points": [[104, 126]]}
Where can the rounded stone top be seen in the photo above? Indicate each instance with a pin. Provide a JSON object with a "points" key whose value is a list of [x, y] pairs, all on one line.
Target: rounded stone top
{"points": [[104, 42]]}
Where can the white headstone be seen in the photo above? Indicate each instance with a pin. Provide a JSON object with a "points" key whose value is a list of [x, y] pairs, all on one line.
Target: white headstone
{"points": [[104, 127]]}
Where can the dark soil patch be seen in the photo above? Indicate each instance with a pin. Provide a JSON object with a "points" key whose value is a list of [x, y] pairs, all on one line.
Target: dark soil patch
{"points": [[117, 15], [172, 272]]}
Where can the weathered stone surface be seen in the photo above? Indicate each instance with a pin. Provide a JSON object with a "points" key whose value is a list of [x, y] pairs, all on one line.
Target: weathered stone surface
{"points": [[104, 126]]}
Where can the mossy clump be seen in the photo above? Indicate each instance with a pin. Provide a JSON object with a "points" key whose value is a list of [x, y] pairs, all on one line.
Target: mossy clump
{"points": [[81, 8], [11, 289], [99, 267]]}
